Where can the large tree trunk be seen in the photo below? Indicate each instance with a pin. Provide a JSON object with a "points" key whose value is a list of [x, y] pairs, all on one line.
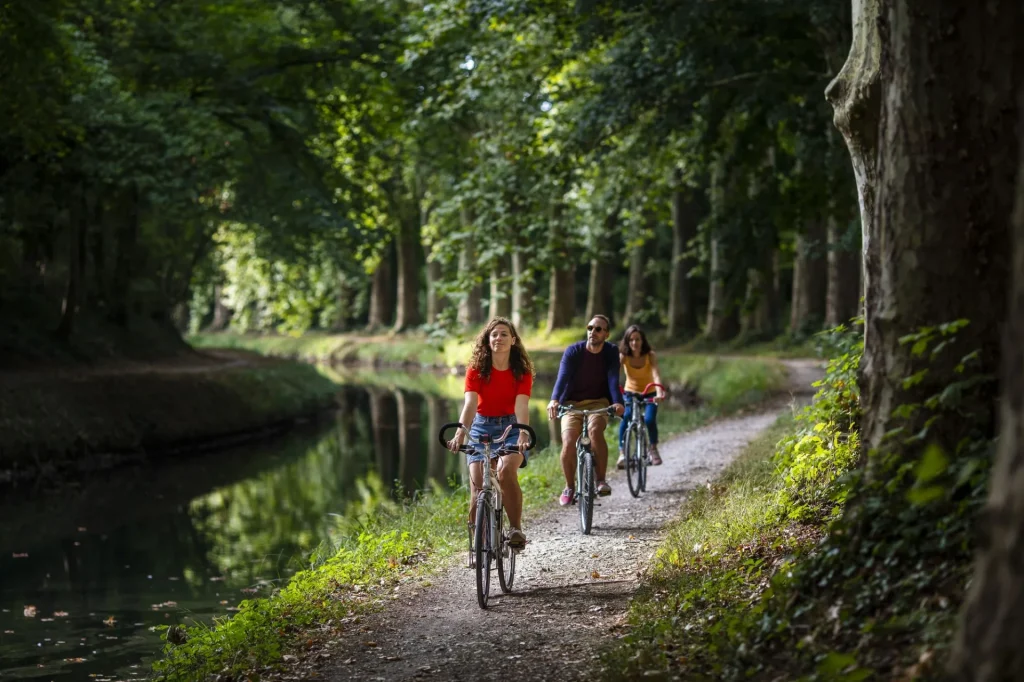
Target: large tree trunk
{"points": [[761, 308], [499, 303], [221, 313], [723, 314], [810, 278], [124, 263], [470, 309], [946, 163], [410, 416], [382, 291], [522, 291], [602, 270], [987, 647], [435, 302], [562, 284], [410, 257], [682, 314], [635, 290]]}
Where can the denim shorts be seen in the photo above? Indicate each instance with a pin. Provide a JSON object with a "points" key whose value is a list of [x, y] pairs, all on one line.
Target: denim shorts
{"points": [[494, 426]]}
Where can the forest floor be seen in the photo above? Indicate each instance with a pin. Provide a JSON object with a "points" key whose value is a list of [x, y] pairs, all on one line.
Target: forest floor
{"points": [[571, 591]]}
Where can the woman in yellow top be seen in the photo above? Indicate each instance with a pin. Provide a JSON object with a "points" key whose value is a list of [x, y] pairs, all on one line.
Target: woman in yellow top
{"points": [[637, 357]]}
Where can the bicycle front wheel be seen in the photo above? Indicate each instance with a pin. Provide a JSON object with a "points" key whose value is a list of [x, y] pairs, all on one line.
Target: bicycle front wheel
{"points": [[506, 558], [641, 459], [632, 470], [484, 555], [587, 491]]}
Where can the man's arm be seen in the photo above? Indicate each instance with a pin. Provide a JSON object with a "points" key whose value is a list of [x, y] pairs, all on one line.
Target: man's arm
{"points": [[562, 381], [613, 375]]}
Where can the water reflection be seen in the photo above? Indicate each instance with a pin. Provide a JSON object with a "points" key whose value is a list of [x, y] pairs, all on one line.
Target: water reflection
{"points": [[84, 576]]}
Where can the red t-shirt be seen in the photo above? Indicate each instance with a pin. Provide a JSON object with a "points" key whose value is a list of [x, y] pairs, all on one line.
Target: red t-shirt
{"points": [[497, 396]]}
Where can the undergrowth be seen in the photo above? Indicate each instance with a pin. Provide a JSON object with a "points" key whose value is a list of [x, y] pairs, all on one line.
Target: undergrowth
{"points": [[797, 565]]}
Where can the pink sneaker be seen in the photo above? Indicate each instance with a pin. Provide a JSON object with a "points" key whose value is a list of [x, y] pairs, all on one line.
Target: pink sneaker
{"points": [[567, 497]]}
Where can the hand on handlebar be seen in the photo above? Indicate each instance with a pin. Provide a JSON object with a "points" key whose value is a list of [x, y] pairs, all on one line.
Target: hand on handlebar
{"points": [[619, 409], [460, 437], [524, 441], [553, 410]]}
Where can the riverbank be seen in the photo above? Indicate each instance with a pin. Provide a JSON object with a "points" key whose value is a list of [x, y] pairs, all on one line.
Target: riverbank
{"points": [[723, 382], [58, 422]]}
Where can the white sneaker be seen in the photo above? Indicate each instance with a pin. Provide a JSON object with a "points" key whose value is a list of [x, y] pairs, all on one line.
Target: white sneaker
{"points": [[621, 464]]}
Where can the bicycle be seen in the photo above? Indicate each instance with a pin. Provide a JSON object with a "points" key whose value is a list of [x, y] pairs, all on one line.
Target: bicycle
{"points": [[586, 484], [636, 441], [489, 515]]}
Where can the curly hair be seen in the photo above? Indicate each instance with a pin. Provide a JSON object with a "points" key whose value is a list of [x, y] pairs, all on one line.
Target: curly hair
{"points": [[624, 348], [518, 359]]}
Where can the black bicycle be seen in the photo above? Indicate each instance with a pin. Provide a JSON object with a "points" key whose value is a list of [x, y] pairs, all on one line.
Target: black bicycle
{"points": [[586, 481], [636, 441], [489, 539]]}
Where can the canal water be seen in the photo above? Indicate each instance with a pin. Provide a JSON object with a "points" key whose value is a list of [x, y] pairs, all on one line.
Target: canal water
{"points": [[86, 575]]}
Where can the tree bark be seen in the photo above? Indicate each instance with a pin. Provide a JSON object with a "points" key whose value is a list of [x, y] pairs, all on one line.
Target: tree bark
{"points": [[522, 291], [410, 257], [77, 224], [635, 291], [810, 279], [843, 298], [470, 309], [602, 270], [221, 313], [945, 188], [682, 315], [499, 303], [723, 314], [435, 302], [987, 647], [562, 283], [382, 291]]}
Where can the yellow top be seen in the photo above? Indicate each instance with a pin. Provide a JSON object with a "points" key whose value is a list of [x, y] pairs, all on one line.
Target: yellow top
{"points": [[638, 377]]}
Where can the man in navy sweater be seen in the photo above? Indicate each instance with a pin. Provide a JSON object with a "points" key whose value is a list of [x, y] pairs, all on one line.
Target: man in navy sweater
{"points": [[588, 379]]}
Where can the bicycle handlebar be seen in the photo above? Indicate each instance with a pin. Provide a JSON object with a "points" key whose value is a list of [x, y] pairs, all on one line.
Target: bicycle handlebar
{"points": [[496, 441], [646, 390], [566, 409]]}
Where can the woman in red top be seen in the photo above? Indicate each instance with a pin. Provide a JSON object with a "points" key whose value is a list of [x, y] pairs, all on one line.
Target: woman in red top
{"points": [[499, 379]]}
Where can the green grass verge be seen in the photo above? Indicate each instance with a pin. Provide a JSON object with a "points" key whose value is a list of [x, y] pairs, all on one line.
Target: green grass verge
{"points": [[383, 546], [724, 382], [55, 420]]}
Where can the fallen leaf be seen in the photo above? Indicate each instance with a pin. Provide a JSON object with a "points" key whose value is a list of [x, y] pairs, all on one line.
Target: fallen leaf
{"points": [[595, 574], [370, 643], [110, 622], [60, 614], [20, 555], [29, 611]]}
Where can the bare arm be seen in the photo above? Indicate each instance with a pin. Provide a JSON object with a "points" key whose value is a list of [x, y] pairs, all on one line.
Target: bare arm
{"points": [[656, 373], [466, 418], [523, 417]]}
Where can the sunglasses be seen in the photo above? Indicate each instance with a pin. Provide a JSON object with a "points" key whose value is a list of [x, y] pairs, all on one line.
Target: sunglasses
{"points": [[592, 328]]}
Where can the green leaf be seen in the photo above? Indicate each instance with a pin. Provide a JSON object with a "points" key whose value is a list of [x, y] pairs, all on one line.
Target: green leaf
{"points": [[914, 379], [834, 663], [921, 496], [933, 463]]}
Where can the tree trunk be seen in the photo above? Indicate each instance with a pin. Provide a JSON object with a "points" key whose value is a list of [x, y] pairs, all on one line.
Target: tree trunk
{"points": [[410, 258], [499, 303], [635, 291], [470, 309], [599, 289], [522, 291], [562, 284], [435, 302], [946, 163], [77, 235], [127, 240], [987, 646], [410, 432], [382, 291], [760, 307], [723, 314], [843, 298], [682, 315], [810, 278], [221, 313]]}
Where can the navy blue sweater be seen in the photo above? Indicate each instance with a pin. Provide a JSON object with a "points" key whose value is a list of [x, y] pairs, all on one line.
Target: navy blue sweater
{"points": [[571, 359]]}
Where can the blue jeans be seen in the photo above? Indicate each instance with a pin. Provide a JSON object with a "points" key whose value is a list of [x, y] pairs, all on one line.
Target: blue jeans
{"points": [[494, 426], [650, 418]]}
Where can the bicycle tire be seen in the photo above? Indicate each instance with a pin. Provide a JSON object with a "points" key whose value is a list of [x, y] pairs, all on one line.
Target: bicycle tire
{"points": [[587, 488], [506, 558], [641, 459], [483, 551], [632, 470]]}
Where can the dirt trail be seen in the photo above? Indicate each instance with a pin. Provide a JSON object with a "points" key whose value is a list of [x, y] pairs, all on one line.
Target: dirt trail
{"points": [[550, 626]]}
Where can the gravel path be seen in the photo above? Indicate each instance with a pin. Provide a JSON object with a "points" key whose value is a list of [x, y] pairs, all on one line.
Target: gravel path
{"points": [[550, 626]]}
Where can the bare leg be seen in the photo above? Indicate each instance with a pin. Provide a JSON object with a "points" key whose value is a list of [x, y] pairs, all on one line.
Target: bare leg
{"points": [[511, 493], [476, 484], [600, 450], [569, 437]]}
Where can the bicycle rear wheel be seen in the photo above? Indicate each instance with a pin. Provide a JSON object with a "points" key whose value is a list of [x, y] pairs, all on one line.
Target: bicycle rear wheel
{"points": [[632, 471], [587, 487], [641, 459], [484, 554], [506, 558]]}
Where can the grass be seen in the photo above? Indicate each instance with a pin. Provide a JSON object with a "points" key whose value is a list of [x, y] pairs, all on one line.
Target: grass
{"points": [[57, 421], [384, 546]]}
